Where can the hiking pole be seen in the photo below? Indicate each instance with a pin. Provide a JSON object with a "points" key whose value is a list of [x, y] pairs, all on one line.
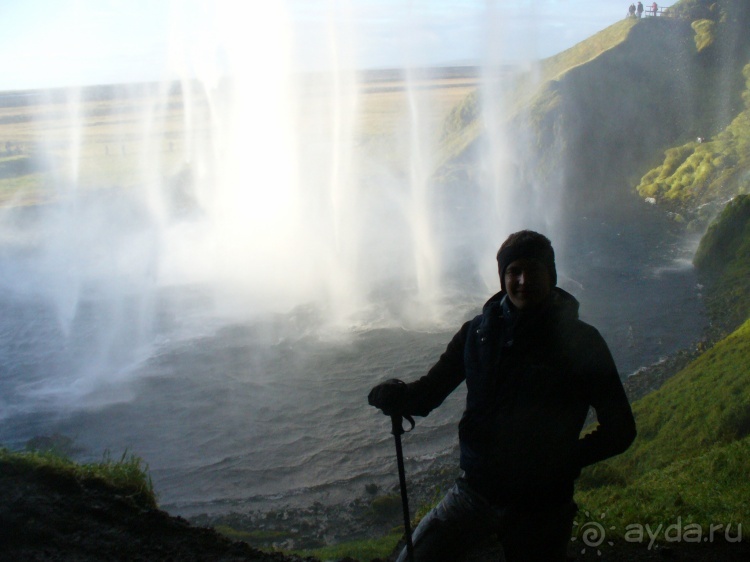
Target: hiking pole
{"points": [[398, 430]]}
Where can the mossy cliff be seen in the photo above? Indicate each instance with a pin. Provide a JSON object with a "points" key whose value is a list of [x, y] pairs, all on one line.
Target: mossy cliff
{"points": [[686, 473], [656, 109], [689, 461], [697, 175], [621, 110], [591, 121], [723, 259], [688, 464]]}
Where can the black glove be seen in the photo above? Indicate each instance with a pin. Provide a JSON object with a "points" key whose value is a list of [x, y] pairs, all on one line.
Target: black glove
{"points": [[389, 396]]}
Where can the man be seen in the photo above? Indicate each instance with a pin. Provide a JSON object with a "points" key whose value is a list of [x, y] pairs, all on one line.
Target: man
{"points": [[532, 370]]}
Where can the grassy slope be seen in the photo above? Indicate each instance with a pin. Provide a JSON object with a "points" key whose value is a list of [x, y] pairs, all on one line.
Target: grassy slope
{"points": [[690, 457], [53, 509], [689, 462], [128, 475], [723, 258], [698, 177], [462, 127], [584, 121], [697, 173]]}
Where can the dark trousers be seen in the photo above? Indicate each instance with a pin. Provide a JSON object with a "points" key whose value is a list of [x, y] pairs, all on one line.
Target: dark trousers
{"points": [[464, 518]]}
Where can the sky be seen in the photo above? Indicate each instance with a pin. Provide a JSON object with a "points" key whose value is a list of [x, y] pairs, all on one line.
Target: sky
{"points": [[51, 43]]}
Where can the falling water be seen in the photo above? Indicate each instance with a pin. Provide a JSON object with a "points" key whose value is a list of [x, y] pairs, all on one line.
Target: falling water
{"points": [[216, 268], [245, 190], [297, 206]]}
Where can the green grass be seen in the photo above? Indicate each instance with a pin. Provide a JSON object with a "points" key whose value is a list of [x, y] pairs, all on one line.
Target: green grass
{"points": [[461, 127], [726, 244], [723, 258], [587, 50], [700, 407], [689, 460], [128, 474], [705, 34], [694, 173], [365, 549], [706, 489], [258, 539]]}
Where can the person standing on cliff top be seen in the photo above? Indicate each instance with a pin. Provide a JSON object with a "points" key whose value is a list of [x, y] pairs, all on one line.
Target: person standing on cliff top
{"points": [[640, 10], [631, 10], [532, 370]]}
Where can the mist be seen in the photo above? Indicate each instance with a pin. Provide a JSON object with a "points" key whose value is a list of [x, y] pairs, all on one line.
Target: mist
{"points": [[213, 271]]}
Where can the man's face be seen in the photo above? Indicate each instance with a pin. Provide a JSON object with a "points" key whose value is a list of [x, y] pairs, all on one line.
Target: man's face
{"points": [[527, 283]]}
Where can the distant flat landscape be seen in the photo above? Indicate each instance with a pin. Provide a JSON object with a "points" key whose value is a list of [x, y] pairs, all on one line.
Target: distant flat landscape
{"points": [[96, 137]]}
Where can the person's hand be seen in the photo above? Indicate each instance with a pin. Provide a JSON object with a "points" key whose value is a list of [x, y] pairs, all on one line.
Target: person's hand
{"points": [[390, 397]]}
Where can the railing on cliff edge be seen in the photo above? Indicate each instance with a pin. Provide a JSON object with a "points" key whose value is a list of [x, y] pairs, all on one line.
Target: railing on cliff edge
{"points": [[650, 12]]}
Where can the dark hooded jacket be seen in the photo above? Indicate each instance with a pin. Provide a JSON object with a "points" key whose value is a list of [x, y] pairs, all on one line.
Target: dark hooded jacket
{"points": [[531, 378]]}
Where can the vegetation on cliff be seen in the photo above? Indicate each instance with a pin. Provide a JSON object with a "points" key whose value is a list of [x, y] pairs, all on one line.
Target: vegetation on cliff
{"points": [[689, 462], [592, 121], [54, 509], [696, 178], [699, 173], [723, 259], [129, 475]]}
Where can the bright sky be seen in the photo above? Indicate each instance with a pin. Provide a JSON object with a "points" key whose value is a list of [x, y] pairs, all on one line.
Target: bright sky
{"points": [[46, 43]]}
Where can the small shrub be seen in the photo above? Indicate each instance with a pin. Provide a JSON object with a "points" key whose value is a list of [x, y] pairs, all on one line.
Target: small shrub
{"points": [[128, 475], [705, 34], [384, 507]]}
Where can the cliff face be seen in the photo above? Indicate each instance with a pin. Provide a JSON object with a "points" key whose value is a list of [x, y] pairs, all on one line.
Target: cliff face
{"points": [[723, 258], [590, 122], [661, 105], [599, 118], [620, 109]]}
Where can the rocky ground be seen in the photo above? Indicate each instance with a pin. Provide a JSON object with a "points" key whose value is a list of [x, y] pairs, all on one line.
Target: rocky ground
{"points": [[647, 379], [375, 513]]}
